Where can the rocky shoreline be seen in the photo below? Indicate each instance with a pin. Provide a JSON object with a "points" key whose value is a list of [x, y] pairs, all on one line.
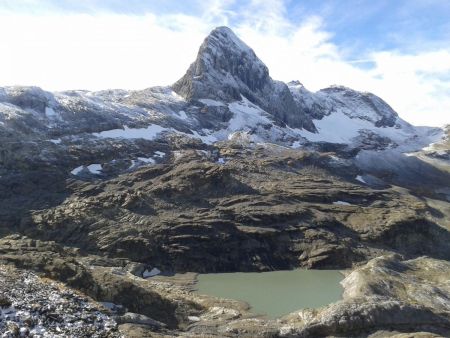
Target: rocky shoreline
{"points": [[387, 297]]}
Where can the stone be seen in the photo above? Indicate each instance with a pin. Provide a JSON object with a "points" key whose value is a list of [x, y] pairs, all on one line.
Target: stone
{"points": [[5, 302]]}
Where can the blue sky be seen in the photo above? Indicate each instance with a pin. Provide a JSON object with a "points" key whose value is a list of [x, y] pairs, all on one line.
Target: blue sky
{"points": [[381, 24], [361, 25], [398, 49]]}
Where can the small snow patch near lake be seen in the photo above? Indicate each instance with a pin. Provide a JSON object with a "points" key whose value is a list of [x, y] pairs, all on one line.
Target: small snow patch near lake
{"points": [[341, 203], [193, 318], [151, 273]]}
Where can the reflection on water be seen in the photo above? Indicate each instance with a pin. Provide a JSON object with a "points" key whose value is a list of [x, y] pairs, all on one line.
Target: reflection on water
{"points": [[275, 293]]}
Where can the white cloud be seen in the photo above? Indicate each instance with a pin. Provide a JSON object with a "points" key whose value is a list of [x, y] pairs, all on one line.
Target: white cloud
{"points": [[78, 51], [106, 51]]}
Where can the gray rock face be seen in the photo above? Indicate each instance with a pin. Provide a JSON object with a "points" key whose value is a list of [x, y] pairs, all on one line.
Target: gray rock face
{"points": [[226, 69], [385, 293], [354, 104], [383, 114], [385, 297]]}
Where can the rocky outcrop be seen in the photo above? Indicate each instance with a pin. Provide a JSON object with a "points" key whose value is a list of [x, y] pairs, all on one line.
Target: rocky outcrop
{"points": [[387, 297], [105, 281], [226, 69], [384, 294], [260, 210]]}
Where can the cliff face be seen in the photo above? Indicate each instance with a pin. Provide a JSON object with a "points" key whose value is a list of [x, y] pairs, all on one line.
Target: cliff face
{"points": [[226, 69]]}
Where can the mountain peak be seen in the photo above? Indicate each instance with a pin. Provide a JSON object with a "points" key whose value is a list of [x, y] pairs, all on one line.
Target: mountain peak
{"points": [[222, 39], [224, 69], [227, 69], [224, 32]]}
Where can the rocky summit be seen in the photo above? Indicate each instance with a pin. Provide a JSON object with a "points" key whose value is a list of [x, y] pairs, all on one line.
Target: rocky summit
{"points": [[112, 201]]}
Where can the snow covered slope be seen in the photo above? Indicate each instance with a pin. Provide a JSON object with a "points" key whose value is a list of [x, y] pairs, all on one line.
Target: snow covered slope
{"points": [[226, 94]]}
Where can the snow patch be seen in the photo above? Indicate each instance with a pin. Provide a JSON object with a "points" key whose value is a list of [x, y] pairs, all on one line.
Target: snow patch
{"points": [[246, 114], [176, 96], [296, 144], [50, 113], [182, 115], [193, 318], [212, 103], [77, 170], [338, 127], [208, 139], [95, 168], [55, 141], [148, 133], [151, 273], [147, 160], [359, 178], [341, 203], [160, 153]]}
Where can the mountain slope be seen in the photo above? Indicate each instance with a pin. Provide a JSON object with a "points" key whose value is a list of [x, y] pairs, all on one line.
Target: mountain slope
{"points": [[226, 170], [226, 93]]}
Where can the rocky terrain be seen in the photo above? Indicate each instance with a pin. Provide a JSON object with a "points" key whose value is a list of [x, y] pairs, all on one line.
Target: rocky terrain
{"points": [[386, 297], [31, 306], [226, 170]]}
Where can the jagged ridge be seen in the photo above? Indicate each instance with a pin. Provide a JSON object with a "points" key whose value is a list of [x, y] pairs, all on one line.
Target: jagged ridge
{"points": [[227, 69]]}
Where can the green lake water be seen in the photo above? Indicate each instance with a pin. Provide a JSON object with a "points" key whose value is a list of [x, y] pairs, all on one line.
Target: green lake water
{"points": [[275, 293]]}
